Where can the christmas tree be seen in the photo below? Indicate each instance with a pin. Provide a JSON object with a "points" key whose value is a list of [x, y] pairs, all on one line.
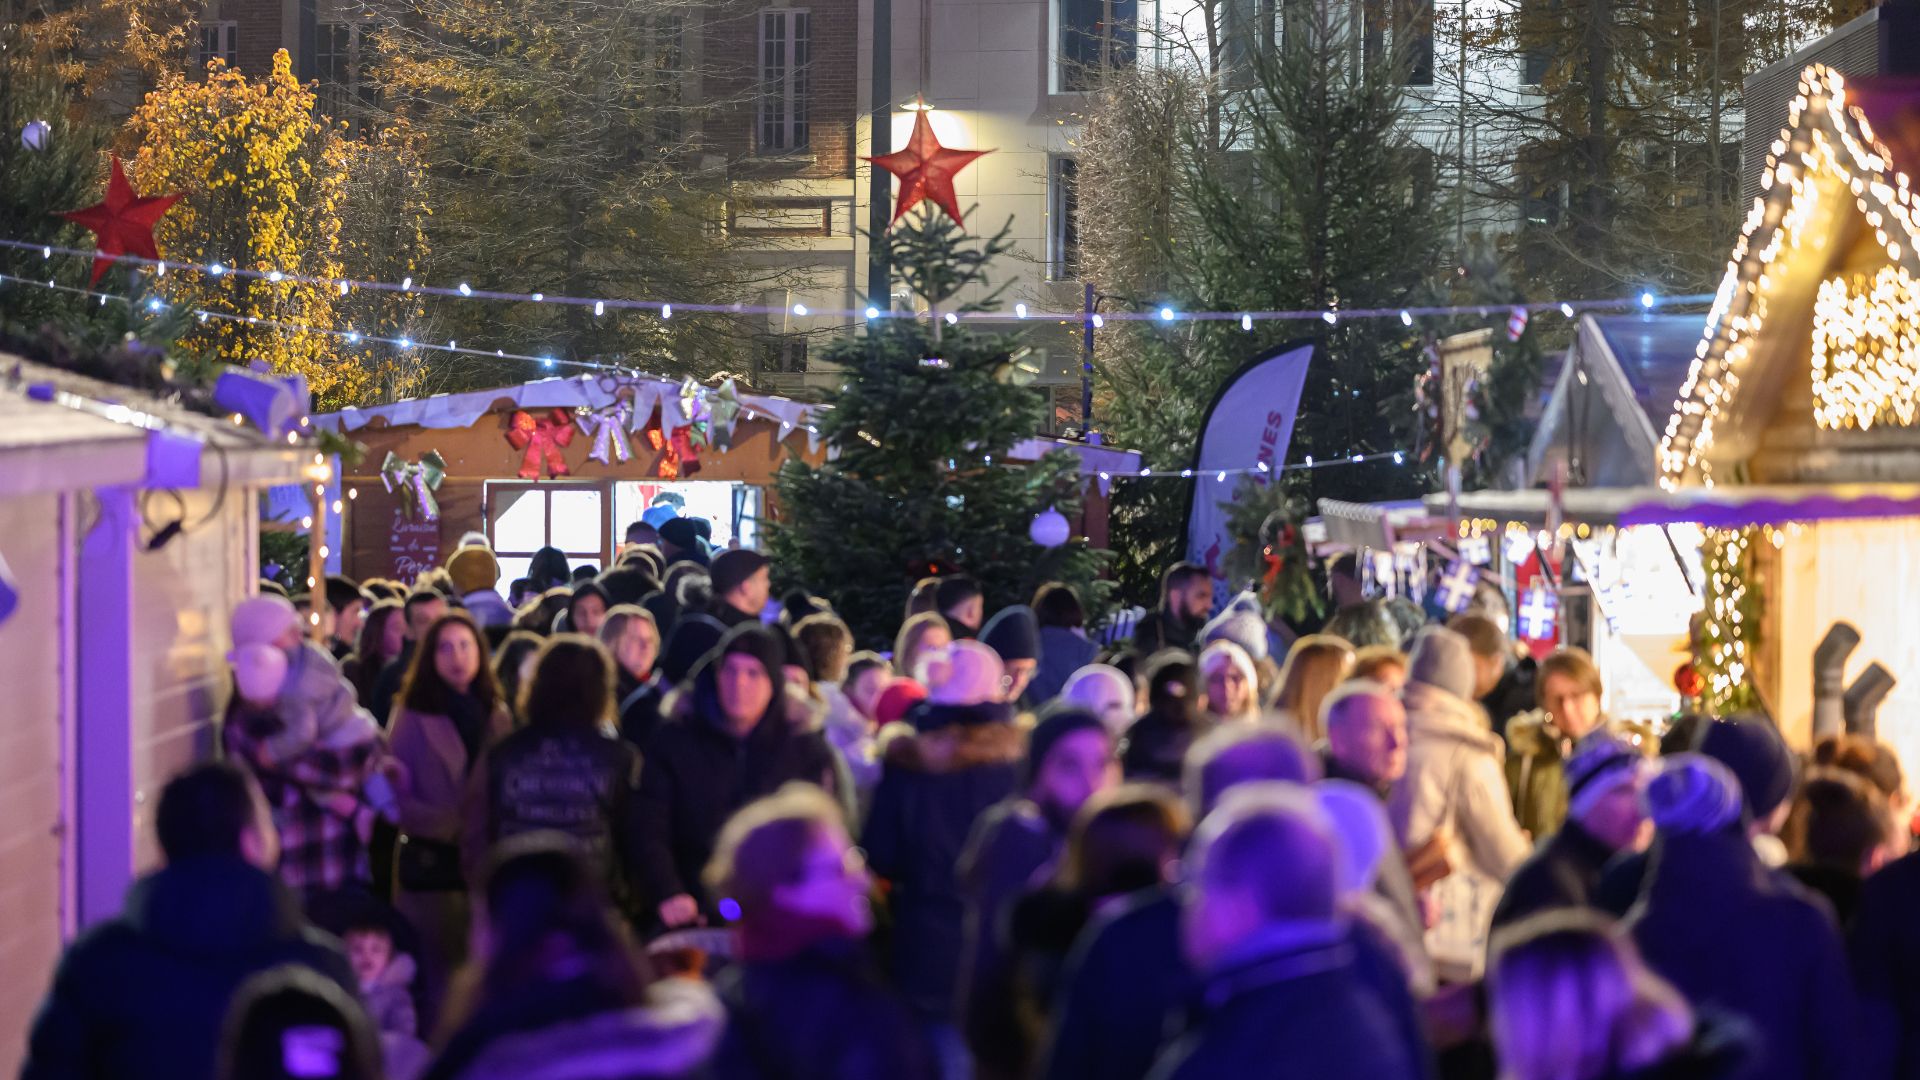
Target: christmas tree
{"points": [[918, 480], [53, 160]]}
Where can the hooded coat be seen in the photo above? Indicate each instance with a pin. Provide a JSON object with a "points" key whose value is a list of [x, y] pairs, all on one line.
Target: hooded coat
{"points": [[695, 772], [1454, 782], [938, 774], [145, 994], [1536, 771], [1735, 937]]}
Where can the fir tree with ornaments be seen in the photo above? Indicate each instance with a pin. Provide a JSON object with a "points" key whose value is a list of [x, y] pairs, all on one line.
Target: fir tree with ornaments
{"points": [[918, 480]]}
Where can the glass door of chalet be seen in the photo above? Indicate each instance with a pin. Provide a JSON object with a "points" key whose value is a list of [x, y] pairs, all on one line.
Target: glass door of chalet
{"points": [[523, 517]]}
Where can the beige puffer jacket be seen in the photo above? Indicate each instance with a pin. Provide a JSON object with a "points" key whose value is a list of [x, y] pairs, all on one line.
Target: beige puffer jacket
{"points": [[1455, 781]]}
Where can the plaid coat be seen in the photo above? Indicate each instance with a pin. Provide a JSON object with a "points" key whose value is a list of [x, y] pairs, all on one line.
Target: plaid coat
{"points": [[312, 753]]}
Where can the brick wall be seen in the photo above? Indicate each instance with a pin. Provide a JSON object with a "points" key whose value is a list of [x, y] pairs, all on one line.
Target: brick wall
{"points": [[262, 32], [732, 44]]}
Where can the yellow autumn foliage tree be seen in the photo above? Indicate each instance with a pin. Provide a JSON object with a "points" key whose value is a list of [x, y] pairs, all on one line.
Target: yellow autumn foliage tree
{"points": [[264, 182]]}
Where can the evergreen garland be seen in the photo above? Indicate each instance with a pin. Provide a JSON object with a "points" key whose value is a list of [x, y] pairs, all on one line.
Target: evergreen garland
{"points": [[1729, 633]]}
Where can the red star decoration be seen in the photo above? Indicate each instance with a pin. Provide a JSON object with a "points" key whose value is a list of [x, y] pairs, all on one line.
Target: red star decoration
{"points": [[926, 170], [124, 222]]}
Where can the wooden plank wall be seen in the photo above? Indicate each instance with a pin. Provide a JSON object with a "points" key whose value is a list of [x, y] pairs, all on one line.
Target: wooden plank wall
{"points": [[31, 763], [184, 593]]}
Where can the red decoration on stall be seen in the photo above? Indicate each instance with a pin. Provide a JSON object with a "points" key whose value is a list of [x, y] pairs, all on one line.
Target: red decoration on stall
{"points": [[926, 170], [123, 223], [541, 437], [1689, 682], [678, 456]]}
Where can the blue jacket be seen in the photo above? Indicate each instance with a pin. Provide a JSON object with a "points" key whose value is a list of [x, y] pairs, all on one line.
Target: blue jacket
{"points": [[1126, 989], [145, 994], [1062, 652], [1292, 1008]]}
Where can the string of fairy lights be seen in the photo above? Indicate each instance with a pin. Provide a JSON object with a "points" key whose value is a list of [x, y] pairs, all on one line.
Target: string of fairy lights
{"points": [[666, 309], [156, 305]]}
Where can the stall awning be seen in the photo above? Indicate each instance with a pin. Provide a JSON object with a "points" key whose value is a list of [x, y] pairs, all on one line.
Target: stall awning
{"points": [[1722, 507]]}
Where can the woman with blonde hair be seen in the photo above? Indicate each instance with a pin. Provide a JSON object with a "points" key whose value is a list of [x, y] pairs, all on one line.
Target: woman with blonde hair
{"points": [[924, 633], [1315, 665], [1570, 999], [1231, 682]]}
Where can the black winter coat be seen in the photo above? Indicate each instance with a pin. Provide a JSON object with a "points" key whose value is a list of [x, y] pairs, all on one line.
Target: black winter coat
{"points": [[1121, 993], [640, 711], [1162, 629], [1737, 938], [1885, 945], [821, 1015], [580, 783], [1011, 843], [1719, 1049], [694, 774], [1563, 873], [144, 995], [1305, 1012], [1155, 747], [1513, 694], [937, 777]]}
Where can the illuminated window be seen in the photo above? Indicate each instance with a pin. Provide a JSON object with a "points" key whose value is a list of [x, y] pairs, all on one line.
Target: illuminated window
{"points": [[1866, 350]]}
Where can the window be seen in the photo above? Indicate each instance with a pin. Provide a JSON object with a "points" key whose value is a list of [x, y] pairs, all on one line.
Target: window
{"points": [[783, 81], [670, 65], [1413, 40], [1094, 35], [1063, 225], [218, 41], [782, 355], [1253, 24], [1539, 19], [526, 517], [336, 64]]}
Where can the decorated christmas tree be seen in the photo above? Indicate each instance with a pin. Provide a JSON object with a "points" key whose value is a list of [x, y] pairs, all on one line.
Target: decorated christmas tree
{"points": [[918, 480], [53, 160]]}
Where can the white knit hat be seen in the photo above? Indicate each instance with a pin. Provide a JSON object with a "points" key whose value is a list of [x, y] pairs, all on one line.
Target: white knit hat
{"points": [[259, 670], [262, 620]]}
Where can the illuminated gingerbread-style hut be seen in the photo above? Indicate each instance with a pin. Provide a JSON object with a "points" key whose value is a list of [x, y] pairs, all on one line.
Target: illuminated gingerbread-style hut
{"points": [[1794, 435]]}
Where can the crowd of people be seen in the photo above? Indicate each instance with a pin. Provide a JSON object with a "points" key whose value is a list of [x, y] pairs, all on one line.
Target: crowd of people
{"points": [[652, 822]]}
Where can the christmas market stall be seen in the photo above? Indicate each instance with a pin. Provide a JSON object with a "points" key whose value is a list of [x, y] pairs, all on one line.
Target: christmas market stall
{"points": [[1795, 433], [129, 528], [571, 462]]}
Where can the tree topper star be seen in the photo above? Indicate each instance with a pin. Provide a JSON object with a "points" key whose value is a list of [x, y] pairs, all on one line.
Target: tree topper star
{"points": [[123, 223], [926, 170]]}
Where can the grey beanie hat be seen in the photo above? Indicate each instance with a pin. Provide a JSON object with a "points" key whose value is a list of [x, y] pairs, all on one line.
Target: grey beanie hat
{"points": [[1443, 660], [1241, 625]]}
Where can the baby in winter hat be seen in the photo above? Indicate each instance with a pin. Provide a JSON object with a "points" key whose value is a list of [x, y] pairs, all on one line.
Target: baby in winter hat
{"points": [[291, 698]]}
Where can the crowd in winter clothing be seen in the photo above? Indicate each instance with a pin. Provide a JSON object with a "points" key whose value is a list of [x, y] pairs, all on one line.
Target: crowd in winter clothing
{"points": [[654, 822]]}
